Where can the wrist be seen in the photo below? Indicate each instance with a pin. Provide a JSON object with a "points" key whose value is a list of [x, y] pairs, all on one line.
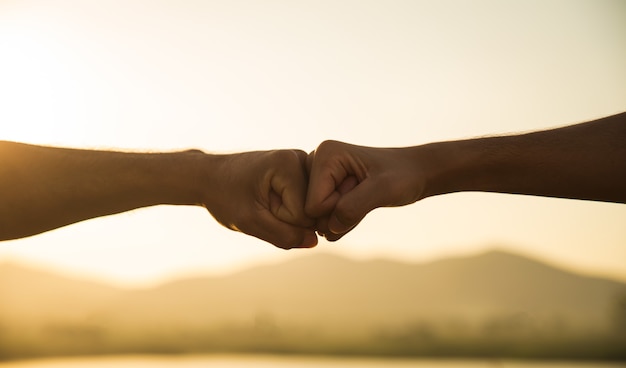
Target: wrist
{"points": [[444, 167], [481, 164], [206, 177], [185, 177]]}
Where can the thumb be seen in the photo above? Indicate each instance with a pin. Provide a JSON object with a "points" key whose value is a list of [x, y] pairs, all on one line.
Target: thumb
{"points": [[353, 206]]}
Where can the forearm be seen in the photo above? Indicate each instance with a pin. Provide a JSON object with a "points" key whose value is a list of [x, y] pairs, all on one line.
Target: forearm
{"points": [[583, 161], [43, 188]]}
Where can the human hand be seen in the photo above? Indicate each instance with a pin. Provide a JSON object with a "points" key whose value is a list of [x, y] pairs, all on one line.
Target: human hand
{"points": [[262, 194], [347, 181]]}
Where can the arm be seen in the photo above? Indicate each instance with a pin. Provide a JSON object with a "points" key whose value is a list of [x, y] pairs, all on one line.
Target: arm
{"points": [[258, 193], [583, 161]]}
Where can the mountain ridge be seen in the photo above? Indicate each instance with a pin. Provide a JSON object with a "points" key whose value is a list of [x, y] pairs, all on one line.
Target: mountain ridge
{"points": [[44, 272], [316, 303], [328, 287]]}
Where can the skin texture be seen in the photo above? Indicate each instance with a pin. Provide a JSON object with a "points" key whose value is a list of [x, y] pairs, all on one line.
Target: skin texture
{"points": [[262, 194], [258, 193], [348, 181], [284, 196], [582, 161]]}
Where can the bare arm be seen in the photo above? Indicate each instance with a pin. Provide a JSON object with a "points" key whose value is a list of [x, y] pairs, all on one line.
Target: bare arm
{"points": [[583, 161], [258, 193]]}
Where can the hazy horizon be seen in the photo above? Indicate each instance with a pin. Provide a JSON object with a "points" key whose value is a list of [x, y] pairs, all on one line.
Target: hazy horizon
{"points": [[495, 304], [142, 75], [213, 273]]}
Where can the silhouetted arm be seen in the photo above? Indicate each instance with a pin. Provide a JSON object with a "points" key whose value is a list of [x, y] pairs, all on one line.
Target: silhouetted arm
{"points": [[258, 193], [583, 161]]}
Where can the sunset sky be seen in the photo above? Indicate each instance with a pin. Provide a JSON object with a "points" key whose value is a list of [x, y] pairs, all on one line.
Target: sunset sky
{"points": [[228, 76]]}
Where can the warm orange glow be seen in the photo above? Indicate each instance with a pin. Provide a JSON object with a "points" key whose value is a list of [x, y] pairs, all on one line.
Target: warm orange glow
{"points": [[224, 76]]}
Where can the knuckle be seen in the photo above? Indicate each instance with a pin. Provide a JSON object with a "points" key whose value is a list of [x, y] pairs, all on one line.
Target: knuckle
{"points": [[328, 145], [286, 156], [287, 161]]}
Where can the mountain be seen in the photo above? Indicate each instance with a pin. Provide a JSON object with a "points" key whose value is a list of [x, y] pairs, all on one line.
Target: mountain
{"points": [[314, 303], [31, 296], [326, 290]]}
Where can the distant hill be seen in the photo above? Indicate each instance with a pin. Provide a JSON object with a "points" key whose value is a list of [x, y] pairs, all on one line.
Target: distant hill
{"points": [[321, 299], [31, 296]]}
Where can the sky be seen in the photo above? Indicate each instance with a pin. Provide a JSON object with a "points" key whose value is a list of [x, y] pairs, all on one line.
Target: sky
{"points": [[231, 76]]}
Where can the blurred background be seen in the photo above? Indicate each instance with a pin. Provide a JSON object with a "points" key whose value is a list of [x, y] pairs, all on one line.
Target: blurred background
{"points": [[229, 76]]}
